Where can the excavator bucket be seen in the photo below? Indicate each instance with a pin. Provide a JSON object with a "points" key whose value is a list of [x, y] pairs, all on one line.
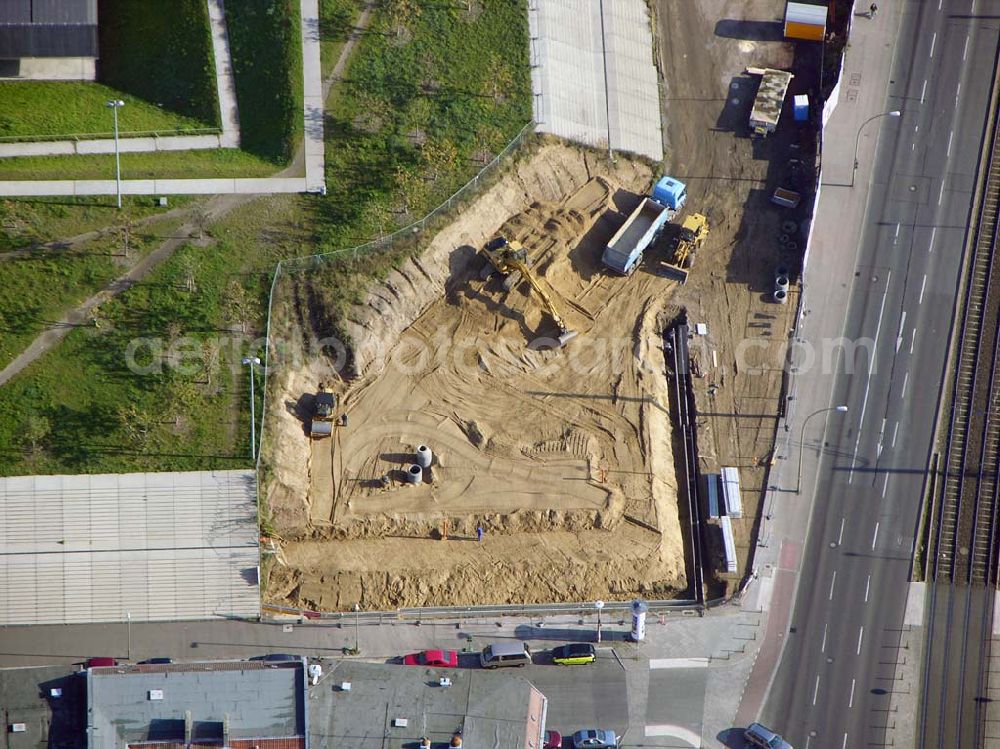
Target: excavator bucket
{"points": [[566, 337]]}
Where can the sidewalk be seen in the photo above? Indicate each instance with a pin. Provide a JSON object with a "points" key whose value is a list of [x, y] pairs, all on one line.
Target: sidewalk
{"points": [[314, 144], [827, 285], [224, 86]]}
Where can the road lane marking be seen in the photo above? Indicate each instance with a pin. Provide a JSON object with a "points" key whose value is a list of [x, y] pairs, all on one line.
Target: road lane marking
{"points": [[922, 287], [896, 236], [941, 193], [895, 429], [913, 339], [833, 582], [861, 636], [906, 378], [885, 485], [881, 431], [930, 247], [933, 42], [657, 663], [965, 50], [868, 380], [951, 136], [850, 702], [844, 745], [958, 91], [816, 690], [822, 648], [923, 91], [840, 537], [899, 339], [875, 537], [868, 585]]}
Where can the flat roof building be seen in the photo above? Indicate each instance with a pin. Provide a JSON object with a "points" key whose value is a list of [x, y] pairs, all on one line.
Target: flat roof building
{"points": [[234, 704], [48, 39], [374, 706]]}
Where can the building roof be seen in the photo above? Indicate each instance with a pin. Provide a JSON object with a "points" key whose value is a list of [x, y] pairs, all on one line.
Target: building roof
{"points": [[211, 704], [152, 546], [498, 710], [48, 28]]}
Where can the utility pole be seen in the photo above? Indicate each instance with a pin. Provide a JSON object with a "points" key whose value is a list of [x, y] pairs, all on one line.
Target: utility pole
{"points": [[115, 105]]}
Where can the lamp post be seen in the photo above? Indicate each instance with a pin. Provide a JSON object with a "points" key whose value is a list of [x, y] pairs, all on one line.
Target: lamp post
{"points": [[802, 437], [857, 140], [115, 105], [598, 605], [128, 629], [357, 617], [251, 360]]}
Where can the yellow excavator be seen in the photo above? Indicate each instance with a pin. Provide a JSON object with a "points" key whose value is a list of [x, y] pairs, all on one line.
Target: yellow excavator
{"points": [[510, 260], [691, 236]]}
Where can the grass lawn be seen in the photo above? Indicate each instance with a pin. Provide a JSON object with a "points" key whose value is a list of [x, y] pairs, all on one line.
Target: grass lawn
{"points": [[26, 222], [57, 108], [222, 162], [82, 409], [39, 288], [336, 19], [160, 51], [265, 40]]}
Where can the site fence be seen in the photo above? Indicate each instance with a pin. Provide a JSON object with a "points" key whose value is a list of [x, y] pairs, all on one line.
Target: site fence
{"points": [[414, 232]]}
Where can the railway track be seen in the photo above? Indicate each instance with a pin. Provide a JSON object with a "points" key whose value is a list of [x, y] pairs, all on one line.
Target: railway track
{"points": [[962, 568]]}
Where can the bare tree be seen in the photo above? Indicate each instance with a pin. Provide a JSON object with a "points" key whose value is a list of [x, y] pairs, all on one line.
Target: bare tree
{"points": [[439, 156], [36, 429], [239, 306]]}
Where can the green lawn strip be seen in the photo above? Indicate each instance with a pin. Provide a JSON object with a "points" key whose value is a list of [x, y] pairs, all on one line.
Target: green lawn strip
{"points": [[265, 39], [79, 110], [425, 103], [336, 20], [161, 51], [30, 221], [40, 288], [220, 162], [82, 409]]}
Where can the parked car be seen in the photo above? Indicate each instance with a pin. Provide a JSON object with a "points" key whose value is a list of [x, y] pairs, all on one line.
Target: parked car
{"points": [[574, 654], [156, 661], [100, 662], [277, 657], [763, 737], [434, 658], [553, 740], [595, 738]]}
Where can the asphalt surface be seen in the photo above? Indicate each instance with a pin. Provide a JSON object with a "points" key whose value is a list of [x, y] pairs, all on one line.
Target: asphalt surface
{"points": [[833, 684]]}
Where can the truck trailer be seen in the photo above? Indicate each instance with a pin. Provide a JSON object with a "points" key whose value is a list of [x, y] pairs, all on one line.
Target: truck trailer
{"points": [[769, 101], [624, 251]]}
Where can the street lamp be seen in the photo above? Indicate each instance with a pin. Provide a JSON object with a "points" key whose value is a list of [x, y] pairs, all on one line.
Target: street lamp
{"points": [[115, 105], [357, 616], [802, 437], [857, 140], [128, 624], [251, 360], [598, 605]]}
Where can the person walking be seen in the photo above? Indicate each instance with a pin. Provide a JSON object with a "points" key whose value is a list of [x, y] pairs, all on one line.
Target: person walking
{"points": [[872, 10], [479, 532]]}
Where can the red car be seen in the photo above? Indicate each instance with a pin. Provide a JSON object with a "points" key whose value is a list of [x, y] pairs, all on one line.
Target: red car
{"points": [[553, 740], [436, 658], [101, 662]]}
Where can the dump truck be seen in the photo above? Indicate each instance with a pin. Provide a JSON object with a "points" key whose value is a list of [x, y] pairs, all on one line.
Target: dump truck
{"points": [[684, 246], [624, 251], [769, 100], [324, 405]]}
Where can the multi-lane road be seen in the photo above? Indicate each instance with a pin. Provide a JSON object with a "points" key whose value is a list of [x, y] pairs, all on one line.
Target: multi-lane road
{"points": [[834, 682]]}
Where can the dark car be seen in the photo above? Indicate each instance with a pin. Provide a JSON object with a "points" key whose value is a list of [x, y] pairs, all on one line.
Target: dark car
{"points": [[277, 657], [553, 740], [574, 654], [101, 662], [156, 661], [434, 658]]}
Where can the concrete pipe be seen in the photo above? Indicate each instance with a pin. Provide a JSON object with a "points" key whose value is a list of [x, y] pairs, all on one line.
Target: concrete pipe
{"points": [[781, 282], [781, 270], [784, 238], [789, 227], [424, 456], [781, 296], [792, 246], [414, 474]]}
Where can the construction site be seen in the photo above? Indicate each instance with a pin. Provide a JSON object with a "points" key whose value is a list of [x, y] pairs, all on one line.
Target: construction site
{"points": [[507, 428]]}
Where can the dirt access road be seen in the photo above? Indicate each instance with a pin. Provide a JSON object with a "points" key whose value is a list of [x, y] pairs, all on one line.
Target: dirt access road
{"points": [[564, 457], [703, 50]]}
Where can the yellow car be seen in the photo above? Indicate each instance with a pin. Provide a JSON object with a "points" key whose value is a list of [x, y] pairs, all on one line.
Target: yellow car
{"points": [[574, 654]]}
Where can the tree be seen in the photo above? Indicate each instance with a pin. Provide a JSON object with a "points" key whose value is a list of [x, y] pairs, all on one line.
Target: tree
{"points": [[134, 423], [439, 156], [499, 80], [410, 187], [36, 429], [238, 305], [401, 12], [188, 271]]}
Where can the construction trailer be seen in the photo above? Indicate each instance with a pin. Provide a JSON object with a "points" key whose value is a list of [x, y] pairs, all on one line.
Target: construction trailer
{"points": [[806, 21], [769, 100]]}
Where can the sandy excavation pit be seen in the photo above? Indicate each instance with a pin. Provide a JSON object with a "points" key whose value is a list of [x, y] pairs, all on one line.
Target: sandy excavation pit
{"points": [[564, 457]]}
